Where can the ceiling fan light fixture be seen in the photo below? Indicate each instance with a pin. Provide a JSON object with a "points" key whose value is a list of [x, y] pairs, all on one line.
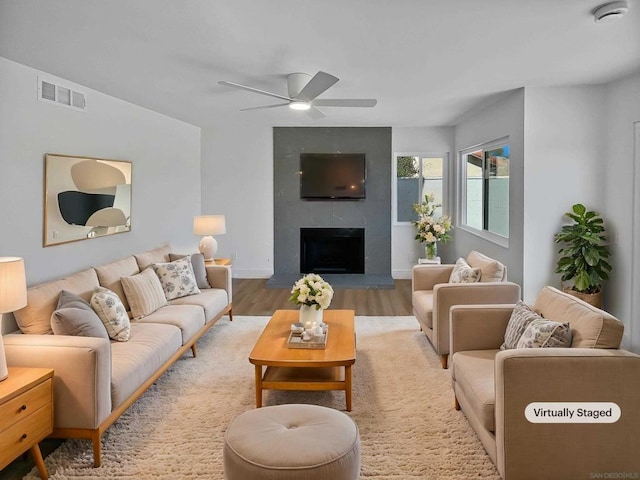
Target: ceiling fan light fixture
{"points": [[299, 105], [610, 11]]}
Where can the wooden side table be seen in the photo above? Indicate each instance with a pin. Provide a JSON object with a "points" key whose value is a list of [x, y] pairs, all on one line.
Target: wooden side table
{"points": [[219, 261], [26, 414]]}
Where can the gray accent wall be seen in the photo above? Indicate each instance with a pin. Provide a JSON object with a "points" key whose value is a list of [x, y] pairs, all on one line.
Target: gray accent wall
{"points": [[292, 213]]}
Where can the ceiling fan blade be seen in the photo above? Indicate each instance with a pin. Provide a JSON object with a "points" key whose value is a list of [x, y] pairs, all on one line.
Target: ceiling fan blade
{"points": [[320, 82], [264, 106], [345, 102], [251, 89], [315, 113]]}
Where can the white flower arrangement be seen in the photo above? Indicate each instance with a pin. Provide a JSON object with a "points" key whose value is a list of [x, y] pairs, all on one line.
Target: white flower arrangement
{"points": [[312, 290], [431, 229]]}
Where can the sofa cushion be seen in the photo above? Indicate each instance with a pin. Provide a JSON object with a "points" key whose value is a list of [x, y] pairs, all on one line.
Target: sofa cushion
{"points": [[422, 301], [545, 334], [133, 362], [42, 300], [177, 278], [212, 300], [521, 317], [144, 293], [199, 268], [157, 255], [473, 371], [590, 326], [112, 313], [188, 318], [463, 273], [74, 316], [111, 273], [492, 270]]}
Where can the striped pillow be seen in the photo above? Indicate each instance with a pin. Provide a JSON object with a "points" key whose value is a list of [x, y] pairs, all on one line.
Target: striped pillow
{"points": [[144, 293]]}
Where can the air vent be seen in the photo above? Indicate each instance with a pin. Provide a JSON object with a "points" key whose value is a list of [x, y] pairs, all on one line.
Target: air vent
{"points": [[53, 92]]}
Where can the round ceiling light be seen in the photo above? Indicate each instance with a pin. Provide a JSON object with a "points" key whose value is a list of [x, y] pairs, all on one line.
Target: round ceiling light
{"points": [[299, 106], [610, 11]]}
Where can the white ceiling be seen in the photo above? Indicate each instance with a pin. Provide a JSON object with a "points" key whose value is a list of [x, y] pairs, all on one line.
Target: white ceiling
{"points": [[426, 61]]}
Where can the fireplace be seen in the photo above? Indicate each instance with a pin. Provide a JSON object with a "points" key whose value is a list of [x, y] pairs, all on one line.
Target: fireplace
{"points": [[332, 250]]}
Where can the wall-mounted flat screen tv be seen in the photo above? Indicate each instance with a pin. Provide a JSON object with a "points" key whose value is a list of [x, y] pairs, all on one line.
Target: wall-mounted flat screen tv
{"points": [[333, 175]]}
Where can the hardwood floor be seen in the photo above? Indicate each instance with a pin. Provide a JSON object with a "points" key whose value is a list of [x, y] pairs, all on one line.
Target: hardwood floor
{"points": [[251, 297]]}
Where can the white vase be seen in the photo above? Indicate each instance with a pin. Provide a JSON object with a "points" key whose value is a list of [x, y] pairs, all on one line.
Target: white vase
{"points": [[310, 317]]}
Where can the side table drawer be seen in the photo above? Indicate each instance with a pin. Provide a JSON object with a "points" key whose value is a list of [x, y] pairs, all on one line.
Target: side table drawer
{"points": [[24, 405], [25, 433]]}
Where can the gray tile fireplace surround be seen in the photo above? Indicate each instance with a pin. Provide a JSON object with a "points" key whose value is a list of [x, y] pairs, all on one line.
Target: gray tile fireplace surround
{"points": [[291, 213]]}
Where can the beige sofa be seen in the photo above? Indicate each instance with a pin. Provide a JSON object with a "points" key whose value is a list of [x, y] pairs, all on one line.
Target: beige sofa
{"points": [[433, 295], [95, 379], [493, 387]]}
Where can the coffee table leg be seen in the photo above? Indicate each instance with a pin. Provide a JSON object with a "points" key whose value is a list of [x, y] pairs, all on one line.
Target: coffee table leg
{"points": [[347, 386], [258, 386]]}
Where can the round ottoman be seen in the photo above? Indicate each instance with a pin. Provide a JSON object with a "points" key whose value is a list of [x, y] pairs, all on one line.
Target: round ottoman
{"points": [[287, 442]]}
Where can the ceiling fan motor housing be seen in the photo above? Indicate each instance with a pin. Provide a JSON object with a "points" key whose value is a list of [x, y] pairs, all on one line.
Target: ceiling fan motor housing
{"points": [[296, 82]]}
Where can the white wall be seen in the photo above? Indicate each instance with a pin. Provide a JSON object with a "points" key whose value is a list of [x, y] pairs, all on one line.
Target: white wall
{"points": [[165, 156], [405, 250], [621, 191], [237, 181], [564, 146], [505, 117]]}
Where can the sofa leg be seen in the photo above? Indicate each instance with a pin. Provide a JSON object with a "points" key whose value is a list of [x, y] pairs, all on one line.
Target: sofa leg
{"points": [[97, 448], [456, 404], [443, 360], [231, 315], [194, 350]]}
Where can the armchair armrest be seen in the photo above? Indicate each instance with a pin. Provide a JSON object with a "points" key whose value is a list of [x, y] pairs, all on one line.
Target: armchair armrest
{"points": [[569, 450], [447, 295], [425, 277], [478, 327], [82, 374], [219, 276]]}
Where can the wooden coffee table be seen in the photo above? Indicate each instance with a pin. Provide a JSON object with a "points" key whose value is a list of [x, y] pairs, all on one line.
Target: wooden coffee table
{"points": [[305, 369]]}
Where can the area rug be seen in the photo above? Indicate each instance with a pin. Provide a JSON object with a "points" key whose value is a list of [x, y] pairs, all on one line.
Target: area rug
{"points": [[402, 404]]}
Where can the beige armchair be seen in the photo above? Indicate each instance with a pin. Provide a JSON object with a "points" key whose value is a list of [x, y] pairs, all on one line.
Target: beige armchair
{"points": [[433, 296], [494, 387]]}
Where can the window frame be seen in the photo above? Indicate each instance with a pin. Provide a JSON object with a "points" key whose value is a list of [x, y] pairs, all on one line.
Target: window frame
{"points": [[394, 181], [461, 218]]}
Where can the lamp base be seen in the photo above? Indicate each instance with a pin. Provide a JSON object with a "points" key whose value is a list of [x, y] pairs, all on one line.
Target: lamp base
{"points": [[4, 372], [208, 247]]}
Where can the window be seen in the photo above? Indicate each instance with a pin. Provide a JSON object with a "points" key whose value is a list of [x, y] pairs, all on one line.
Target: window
{"points": [[417, 174], [484, 199]]}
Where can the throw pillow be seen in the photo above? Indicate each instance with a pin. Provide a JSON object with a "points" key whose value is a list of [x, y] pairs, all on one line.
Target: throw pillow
{"points": [[144, 293], [177, 278], [521, 317], [111, 311], [545, 334], [199, 268], [463, 273], [74, 316]]}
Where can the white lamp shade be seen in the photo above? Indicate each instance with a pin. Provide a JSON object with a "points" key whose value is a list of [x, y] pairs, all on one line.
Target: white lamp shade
{"points": [[13, 284], [13, 296], [209, 225]]}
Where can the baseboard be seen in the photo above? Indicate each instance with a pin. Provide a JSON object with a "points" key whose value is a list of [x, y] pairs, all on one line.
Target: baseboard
{"points": [[401, 274], [249, 273]]}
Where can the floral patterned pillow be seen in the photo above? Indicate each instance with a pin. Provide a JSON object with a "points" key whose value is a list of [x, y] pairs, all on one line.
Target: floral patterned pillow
{"points": [[177, 278], [545, 334], [521, 317], [463, 273], [111, 311]]}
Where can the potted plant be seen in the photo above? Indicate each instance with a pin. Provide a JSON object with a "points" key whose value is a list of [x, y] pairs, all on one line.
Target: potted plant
{"points": [[583, 256], [431, 230]]}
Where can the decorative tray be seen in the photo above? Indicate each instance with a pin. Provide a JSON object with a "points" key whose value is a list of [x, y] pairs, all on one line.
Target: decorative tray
{"points": [[316, 342]]}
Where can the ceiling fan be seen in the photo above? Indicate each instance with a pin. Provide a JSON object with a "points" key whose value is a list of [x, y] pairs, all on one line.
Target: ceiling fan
{"points": [[303, 90]]}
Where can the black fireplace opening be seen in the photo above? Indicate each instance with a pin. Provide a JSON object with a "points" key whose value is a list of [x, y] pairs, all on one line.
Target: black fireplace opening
{"points": [[332, 250]]}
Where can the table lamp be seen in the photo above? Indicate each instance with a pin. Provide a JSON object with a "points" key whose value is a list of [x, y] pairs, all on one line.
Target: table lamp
{"points": [[209, 225], [13, 296]]}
